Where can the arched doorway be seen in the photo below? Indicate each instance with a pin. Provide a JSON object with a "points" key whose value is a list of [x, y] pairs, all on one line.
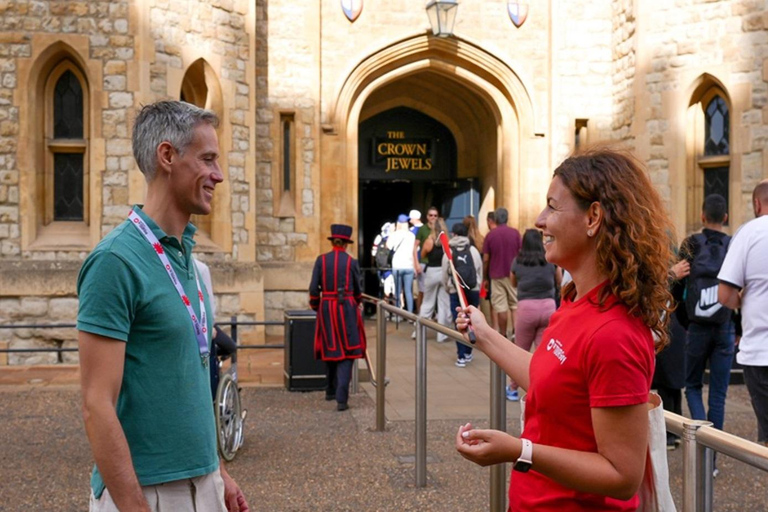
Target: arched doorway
{"points": [[474, 95]]}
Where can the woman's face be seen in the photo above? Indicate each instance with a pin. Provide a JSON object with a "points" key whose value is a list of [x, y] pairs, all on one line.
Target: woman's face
{"points": [[564, 227]]}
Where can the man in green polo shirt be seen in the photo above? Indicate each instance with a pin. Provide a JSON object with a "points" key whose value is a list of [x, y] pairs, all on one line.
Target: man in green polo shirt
{"points": [[144, 332]]}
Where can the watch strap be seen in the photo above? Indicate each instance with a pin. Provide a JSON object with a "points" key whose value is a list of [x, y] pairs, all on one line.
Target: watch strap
{"points": [[524, 462]]}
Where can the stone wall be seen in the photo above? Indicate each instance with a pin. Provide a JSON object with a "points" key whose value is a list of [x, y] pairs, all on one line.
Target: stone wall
{"points": [[681, 44], [131, 53], [623, 44], [582, 62], [218, 32], [287, 76]]}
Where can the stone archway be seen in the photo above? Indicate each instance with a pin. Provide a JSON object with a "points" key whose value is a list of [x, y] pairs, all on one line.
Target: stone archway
{"points": [[492, 100]]}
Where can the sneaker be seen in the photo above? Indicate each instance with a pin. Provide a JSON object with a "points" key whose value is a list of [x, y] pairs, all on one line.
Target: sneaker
{"points": [[461, 362], [342, 407], [512, 395], [413, 334], [468, 358], [715, 473]]}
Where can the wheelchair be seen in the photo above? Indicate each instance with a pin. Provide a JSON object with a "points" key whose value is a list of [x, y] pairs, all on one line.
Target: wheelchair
{"points": [[228, 409]]}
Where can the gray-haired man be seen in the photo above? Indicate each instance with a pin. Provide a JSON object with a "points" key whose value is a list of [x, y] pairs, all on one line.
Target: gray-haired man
{"points": [[144, 333]]}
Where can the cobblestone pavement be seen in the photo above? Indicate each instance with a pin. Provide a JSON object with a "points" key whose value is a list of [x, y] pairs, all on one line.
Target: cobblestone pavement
{"points": [[301, 455]]}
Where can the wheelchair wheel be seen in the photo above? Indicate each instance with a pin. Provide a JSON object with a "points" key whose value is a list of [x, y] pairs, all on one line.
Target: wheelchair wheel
{"points": [[229, 417]]}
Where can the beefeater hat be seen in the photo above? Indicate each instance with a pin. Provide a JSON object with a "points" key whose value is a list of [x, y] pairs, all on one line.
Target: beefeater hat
{"points": [[341, 232]]}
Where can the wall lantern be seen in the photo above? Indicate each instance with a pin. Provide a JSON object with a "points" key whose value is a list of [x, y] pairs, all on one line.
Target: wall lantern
{"points": [[442, 15]]}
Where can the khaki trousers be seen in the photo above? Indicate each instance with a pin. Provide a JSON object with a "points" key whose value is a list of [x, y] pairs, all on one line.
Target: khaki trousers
{"points": [[200, 494]]}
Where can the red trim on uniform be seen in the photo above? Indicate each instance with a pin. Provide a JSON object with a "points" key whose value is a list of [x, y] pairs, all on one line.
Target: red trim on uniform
{"points": [[334, 320], [353, 304], [320, 325]]}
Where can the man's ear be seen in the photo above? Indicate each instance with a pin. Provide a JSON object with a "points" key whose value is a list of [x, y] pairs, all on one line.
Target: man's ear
{"points": [[725, 219], [166, 153]]}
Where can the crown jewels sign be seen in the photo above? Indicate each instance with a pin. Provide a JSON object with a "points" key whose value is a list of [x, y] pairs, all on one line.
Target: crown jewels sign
{"points": [[518, 12], [352, 8]]}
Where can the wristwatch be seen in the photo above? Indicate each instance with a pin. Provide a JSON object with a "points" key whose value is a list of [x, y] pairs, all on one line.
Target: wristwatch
{"points": [[524, 462]]}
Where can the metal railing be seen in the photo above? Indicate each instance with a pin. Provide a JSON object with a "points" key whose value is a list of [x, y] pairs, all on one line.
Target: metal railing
{"points": [[700, 442], [498, 407], [233, 322], [700, 439]]}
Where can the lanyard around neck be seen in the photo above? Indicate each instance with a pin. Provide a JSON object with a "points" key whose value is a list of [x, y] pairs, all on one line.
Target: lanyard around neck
{"points": [[201, 326]]}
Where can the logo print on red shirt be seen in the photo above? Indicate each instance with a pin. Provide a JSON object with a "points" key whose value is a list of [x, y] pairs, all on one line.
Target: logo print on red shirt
{"points": [[556, 347], [185, 299], [158, 248]]}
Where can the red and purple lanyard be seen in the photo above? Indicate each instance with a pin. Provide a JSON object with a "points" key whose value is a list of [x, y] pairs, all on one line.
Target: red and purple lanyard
{"points": [[201, 329]]}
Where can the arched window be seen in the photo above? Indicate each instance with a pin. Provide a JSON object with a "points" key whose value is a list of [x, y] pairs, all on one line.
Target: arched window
{"points": [[66, 192], [710, 138]]}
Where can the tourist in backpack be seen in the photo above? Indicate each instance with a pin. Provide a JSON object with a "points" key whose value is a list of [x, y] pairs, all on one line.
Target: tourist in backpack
{"points": [[469, 265], [435, 294], [382, 259], [536, 281], [711, 330]]}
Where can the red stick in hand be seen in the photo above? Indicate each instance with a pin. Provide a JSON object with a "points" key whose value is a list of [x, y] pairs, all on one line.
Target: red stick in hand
{"points": [[457, 281]]}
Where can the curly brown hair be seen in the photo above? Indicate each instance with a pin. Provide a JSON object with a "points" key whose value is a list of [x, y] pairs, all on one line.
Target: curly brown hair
{"points": [[634, 245]]}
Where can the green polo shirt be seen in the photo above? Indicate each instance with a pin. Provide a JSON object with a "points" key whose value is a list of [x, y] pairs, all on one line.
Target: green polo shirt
{"points": [[165, 405]]}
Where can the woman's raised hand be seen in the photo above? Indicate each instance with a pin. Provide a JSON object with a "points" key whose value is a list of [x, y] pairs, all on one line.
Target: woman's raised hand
{"points": [[470, 316]]}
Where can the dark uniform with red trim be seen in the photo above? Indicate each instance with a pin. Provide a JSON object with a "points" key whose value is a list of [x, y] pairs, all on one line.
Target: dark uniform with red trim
{"points": [[335, 293]]}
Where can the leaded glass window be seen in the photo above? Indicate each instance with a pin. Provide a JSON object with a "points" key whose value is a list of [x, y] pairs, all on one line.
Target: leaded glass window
{"points": [[716, 181], [68, 108], [66, 132], [717, 127], [68, 186]]}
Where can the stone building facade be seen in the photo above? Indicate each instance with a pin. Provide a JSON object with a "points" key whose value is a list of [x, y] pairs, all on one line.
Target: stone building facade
{"points": [[299, 87]]}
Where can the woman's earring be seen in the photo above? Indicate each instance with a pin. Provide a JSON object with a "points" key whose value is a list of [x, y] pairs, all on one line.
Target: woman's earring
{"points": [[589, 232]]}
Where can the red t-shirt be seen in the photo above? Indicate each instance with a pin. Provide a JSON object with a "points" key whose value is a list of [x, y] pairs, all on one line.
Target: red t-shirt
{"points": [[589, 357]]}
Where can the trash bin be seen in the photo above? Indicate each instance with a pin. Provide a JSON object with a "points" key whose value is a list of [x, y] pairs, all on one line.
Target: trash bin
{"points": [[301, 372]]}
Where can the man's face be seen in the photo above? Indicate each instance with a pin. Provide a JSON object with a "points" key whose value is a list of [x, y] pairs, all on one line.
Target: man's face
{"points": [[431, 218], [196, 173]]}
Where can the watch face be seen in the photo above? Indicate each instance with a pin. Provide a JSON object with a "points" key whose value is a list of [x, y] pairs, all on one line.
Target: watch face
{"points": [[522, 466]]}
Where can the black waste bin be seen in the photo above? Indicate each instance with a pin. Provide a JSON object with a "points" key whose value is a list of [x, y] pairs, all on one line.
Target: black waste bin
{"points": [[301, 372]]}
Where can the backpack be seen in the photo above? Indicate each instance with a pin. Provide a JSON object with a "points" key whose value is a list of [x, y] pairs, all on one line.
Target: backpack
{"points": [[701, 289], [465, 267], [383, 258]]}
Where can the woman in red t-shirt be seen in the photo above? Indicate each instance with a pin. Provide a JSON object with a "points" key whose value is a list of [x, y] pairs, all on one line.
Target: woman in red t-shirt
{"points": [[585, 437]]}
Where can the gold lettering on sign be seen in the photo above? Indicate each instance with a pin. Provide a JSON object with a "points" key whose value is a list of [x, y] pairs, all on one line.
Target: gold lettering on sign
{"points": [[409, 164], [404, 156]]}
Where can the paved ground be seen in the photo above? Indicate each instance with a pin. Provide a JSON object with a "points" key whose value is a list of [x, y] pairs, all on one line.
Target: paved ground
{"points": [[300, 454]]}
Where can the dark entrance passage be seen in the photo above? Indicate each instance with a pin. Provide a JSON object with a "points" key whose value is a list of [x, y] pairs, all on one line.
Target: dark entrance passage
{"points": [[383, 201], [406, 160]]}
